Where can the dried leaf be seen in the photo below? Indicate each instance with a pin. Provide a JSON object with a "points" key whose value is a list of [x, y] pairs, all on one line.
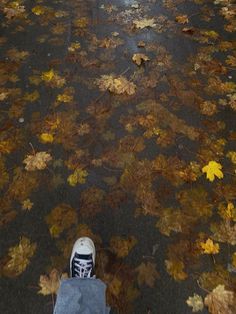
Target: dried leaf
{"points": [[116, 85], [61, 218], [147, 274], [27, 204], [182, 19], [221, 301], [144, 23], [51, 283], [224, 232], [37, 161], [79, 176], [139, 58], [19, 257], [114, 284], [122, 246], [196, 302], [176, 269]]}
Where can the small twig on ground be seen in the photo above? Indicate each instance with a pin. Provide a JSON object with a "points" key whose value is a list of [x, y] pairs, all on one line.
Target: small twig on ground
{"points": [[31, 145]]}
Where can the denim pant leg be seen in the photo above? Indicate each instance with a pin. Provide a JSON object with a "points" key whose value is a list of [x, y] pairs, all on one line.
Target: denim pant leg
{"points": [[81, 296]]}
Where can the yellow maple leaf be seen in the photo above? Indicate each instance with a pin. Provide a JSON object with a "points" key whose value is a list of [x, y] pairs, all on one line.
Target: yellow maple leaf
{"points": [[209, 247], [74, 46], [38, 10], [139, 58], [64, 98], [46, 137], [48, 76], [78, 176], [213, 169]]}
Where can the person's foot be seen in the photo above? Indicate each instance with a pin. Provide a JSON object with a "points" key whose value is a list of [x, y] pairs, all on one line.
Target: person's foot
{"points": [[82, 259]]}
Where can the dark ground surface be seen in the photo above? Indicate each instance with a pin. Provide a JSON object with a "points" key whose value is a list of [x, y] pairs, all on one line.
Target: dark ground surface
{"points": [[138, 160]]}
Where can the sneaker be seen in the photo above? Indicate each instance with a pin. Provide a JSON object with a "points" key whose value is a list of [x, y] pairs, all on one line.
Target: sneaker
{"points": [[82, 259]]}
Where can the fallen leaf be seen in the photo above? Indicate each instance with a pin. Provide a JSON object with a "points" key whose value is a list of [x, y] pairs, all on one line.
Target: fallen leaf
{"points": [[19, 257], [27, 204], [188, 30], [78, 176], [31, 97], [219, 276], [116, 85], [176, 269], [213, 169], [61, 218], [38, 10], [74, 46], [51, 283], [196, 302], [144, 23], [182, 19], [17, 55], [232, 156], [147, 274], [139, 58], [46, 137], [141, 44], [122, 246], [209, 247], [37, 161], [48, 76], [114, 284], [208, 108], [221, 301], [224, 232]]}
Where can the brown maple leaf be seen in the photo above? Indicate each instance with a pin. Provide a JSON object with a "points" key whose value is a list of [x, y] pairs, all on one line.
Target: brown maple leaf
{"points": [[147, 274], [224, 232], [122, 246]]}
